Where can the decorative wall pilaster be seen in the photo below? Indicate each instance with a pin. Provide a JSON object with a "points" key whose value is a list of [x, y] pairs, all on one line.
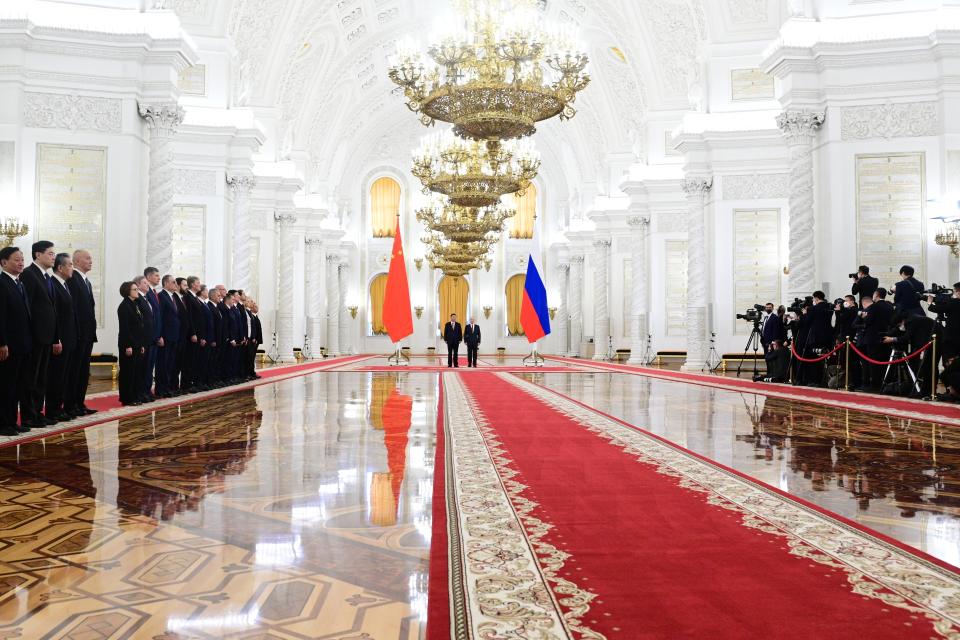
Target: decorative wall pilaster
{"points": [[563, 317], [639, 229], [314, 296], [576, 305], [333, 304], [163, 120], [346, 331], [601, 280], [697, 190], [240, 187], [800, 128], [286, 250]]}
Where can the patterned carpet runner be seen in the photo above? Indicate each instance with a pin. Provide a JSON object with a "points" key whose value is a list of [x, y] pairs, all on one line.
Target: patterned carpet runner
{"points": [[553, 520]]}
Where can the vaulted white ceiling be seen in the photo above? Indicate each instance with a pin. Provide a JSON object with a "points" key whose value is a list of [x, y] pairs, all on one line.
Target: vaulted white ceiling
{"points": [[322, 64]]}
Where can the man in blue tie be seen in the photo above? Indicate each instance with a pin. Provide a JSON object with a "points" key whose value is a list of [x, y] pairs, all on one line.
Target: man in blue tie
{"points": [[57, 403], [38, 283], [16, 339], [81, 289]]}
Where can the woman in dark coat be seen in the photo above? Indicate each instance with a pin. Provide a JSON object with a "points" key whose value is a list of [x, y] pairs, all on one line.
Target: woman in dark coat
{"points": [[131, 341]]}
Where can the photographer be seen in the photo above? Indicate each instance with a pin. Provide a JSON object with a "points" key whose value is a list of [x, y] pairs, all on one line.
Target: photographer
{"points": [[949, 308], [914, 332], [877, 316], [820, 338], [845, 314], [906, 297], [863, 283]]}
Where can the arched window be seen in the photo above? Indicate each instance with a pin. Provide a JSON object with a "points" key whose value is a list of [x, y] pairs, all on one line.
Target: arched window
{"points": [[514, 293], [453, 294], [384, 207], [521, 225], [378, 289]]}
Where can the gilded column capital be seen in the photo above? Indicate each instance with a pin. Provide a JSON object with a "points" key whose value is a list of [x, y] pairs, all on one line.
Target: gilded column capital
{"points": [[799, 126]]}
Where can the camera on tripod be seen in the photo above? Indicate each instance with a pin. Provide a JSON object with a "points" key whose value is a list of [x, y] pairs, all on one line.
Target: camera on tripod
{"points": [[798, 304], [939, 293], [753, 314]]}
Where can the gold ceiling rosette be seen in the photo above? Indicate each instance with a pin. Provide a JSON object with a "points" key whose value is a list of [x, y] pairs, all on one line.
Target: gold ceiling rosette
{"points": [[495, 74], [472, 174]]}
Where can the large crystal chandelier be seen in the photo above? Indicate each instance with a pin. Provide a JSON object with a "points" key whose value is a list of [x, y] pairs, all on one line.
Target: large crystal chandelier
{"points": [[464, 225], [472, 174], [496, 74]]}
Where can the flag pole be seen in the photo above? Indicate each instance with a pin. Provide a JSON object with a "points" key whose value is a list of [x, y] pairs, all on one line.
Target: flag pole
{"points": [[535, 359], [398, 358]]}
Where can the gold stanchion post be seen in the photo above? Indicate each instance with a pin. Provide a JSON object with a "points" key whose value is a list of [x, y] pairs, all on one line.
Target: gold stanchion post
{"points": [[846, 369], [933, 370]]}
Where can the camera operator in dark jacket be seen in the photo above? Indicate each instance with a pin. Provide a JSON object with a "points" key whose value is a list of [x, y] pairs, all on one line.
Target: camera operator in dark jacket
{"points": [[950, 309], [906, 297], [820, 338], [845, 314], [915, 331], [863, 283], [877, 316]]}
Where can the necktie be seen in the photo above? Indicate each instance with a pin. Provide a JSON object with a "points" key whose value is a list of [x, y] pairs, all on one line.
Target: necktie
{"points": [[23, 293], [67, 289], [49, 285]]}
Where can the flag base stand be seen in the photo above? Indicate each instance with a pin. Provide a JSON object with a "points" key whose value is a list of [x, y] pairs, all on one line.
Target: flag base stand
{"points": [[534, 359], [398, 358]]}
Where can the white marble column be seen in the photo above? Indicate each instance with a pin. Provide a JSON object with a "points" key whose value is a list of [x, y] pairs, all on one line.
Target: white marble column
{"points": [[800, 128], [333, 304], [243, 263], [639, 229], [313, 293], [286, 249], [563, 314], [346, 330], [601, 312], [163, 120], [697, 190], [576, 305]]}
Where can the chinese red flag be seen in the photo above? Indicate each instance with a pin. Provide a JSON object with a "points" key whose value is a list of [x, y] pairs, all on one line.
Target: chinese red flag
{"points": [[397, 317]]}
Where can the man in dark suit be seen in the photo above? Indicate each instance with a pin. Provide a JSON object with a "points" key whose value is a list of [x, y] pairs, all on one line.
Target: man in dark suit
{"points": [[152, 332], [232, 338], [16, 339], [877, 317], [471, 336], [170, 321], [155, 353], [254, 340], [215, 361], [772, 329], [56, 397], [864, 284], [907, 293], [820, 337], [453, 336], [205, 377], [38, 283], [198, 339], [182, 370], [81, 290]]}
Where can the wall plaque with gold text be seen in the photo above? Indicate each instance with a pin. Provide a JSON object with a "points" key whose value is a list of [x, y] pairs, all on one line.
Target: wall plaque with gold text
{"points": [[72, 205], [675, 301], [756, 261]]}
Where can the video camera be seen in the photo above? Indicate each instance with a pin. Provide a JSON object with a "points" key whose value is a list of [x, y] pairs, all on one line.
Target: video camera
{"points": [[939, 293], [853, 276], [798, 304], [753, 314]]}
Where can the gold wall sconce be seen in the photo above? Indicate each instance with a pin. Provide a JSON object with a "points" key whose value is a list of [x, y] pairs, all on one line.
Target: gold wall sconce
{"points": [[419, 264], [418, 311], [553, 312], [12, 229], [353, 310], [486, 312]]}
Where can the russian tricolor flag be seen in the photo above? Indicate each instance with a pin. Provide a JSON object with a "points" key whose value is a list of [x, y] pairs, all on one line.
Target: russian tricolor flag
{"points": [[534, 313]]}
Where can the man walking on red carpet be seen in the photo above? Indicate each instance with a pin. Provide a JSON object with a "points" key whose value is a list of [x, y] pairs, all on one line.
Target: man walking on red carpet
{"points": [[453, 336]]}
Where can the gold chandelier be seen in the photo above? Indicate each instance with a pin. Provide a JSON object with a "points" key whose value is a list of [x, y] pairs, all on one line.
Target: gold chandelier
{"points": [[472, 174], [495, 77], [464, 225], [949, 236]]}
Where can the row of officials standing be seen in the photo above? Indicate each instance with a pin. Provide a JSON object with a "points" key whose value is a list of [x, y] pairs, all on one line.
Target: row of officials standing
{"points": [[174, 341]]}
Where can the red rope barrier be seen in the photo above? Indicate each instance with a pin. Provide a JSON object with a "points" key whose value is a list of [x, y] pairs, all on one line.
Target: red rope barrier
{"points": [[897, 361], [796, 355]]}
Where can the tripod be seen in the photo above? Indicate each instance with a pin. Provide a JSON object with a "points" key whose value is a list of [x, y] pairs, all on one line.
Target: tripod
{"points": [[713, 358], [648, 354], [896, 355], [753, 344]]}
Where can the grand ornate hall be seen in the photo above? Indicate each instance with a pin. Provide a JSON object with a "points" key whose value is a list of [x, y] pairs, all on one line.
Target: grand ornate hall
{"points": [[696, 261]]}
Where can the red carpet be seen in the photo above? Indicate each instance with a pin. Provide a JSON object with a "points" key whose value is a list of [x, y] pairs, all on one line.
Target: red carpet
{"points": [[652, 554], [933, 411]]}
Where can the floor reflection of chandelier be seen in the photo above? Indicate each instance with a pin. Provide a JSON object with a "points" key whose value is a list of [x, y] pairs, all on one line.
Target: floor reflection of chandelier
{"points": [[497, 76], [464, 224], [472, 174]]}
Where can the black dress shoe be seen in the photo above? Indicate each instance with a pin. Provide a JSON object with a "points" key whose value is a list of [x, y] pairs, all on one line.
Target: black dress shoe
{"points": [[9, 431], [48, 421], [88, 411]]}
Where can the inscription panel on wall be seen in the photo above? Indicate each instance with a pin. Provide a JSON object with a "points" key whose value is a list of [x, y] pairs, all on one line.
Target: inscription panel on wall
{"points": [[72, 204], [890, 213], [675, 301], [756, 261], [189, 223], [750, 84]]}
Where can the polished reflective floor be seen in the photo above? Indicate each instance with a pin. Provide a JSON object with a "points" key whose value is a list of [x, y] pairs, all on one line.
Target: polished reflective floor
{"points": [[899, 477], [302, 508]]}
